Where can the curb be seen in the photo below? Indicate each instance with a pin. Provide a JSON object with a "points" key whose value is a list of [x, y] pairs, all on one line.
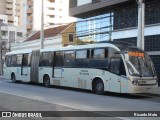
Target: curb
{"points": [[153, 94]]}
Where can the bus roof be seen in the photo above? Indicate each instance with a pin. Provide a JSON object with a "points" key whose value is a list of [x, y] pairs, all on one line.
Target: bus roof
{"points": [[119, 46], [79, 47], [19, 52]]}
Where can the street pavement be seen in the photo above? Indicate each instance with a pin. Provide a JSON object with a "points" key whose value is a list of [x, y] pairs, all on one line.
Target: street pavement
{"points": [[27, 97]]}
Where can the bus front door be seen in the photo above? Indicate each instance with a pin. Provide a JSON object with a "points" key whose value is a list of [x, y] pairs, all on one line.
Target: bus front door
{"points": [[115, 78]]}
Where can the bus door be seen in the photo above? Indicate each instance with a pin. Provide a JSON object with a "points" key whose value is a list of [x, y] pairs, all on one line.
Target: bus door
{"points": [[24, 68], [115, 78], [58, 62]]}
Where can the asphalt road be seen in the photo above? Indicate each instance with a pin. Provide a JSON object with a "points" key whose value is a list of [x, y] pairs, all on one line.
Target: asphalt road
{"points": [[28, 97]]}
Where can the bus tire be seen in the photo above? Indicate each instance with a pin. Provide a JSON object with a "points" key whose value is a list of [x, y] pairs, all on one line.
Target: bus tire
{"points": [[13, 78], [99, 87], [46, 81]]}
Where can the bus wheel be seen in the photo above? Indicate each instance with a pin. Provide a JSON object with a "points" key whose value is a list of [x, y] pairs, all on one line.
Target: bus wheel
{"points": [[13, 78], [99, 87], [46, 81]]}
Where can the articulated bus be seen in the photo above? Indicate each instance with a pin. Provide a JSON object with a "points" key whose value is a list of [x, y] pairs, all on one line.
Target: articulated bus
{"points": [[113, 66]]}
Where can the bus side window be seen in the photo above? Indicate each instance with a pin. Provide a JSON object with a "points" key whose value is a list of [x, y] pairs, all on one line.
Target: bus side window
{"points": [[13, 61], [99, 58], [6, 59], [82, 58], [122, 69], [58, 59], [115, 65], [69, 57], [9, 61], [46, 59], [19, 60], [25, 60]]}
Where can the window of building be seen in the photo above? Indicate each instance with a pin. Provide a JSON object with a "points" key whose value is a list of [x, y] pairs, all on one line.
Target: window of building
{"points": [[19, 34], [71, 37], [156, 62], [3, 32], [152, 43], [95, 28], [72, 3], [132, 40]]}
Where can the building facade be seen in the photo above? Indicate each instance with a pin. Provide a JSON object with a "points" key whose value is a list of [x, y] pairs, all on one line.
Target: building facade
{"points": [[53, 37], [104, 20], [26, 14], [56, 12]]}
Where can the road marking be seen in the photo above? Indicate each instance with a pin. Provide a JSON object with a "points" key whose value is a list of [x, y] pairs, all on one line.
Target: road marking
{"points": [[41, 99]]}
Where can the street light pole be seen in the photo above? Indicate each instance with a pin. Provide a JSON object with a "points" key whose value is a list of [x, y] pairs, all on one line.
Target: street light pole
{"points": [[42, 24], [141, 23]]}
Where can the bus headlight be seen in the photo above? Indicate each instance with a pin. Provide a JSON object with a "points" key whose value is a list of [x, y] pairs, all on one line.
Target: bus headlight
{"points": [[135, 82]]}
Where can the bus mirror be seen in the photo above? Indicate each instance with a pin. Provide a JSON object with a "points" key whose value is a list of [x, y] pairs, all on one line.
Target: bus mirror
{"points": [[126, 57]]}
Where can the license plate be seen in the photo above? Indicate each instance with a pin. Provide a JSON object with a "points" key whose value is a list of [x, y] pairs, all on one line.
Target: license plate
{"points": [[142, 82]]}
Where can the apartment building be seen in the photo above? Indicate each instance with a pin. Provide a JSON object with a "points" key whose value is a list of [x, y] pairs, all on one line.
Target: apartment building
{"points": [[104, 20], [56, 12], [26, 14]]}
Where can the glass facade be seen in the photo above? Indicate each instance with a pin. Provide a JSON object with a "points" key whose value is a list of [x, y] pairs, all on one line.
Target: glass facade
{"points": [[97, 28]]}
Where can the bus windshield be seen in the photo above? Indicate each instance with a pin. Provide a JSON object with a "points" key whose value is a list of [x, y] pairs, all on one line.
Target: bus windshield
{"points": [[140, 64]]}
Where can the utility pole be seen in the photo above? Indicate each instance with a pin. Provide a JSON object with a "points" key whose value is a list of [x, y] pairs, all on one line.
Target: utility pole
{"points": [[141, 23], [0, 49], [42, 24]]}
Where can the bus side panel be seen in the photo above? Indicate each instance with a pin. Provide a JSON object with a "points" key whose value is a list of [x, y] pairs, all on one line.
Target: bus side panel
{"points": [[34, 71], [45, 71], [7, 72], [124, 85], [26, 77], [83, 77]]}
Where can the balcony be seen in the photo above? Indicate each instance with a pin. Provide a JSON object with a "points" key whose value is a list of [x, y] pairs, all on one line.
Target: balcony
{"points": [[30, 11], [18, 7], [9, 6], [30, 18], [9, 12], [30, 3], [29, 26], [18, 14], [10, 1], [10, 18]]}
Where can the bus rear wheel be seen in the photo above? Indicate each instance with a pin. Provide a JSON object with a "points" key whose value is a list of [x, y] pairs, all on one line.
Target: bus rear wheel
{"points": [[13, 78], [99, 87], [46, 81]]}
